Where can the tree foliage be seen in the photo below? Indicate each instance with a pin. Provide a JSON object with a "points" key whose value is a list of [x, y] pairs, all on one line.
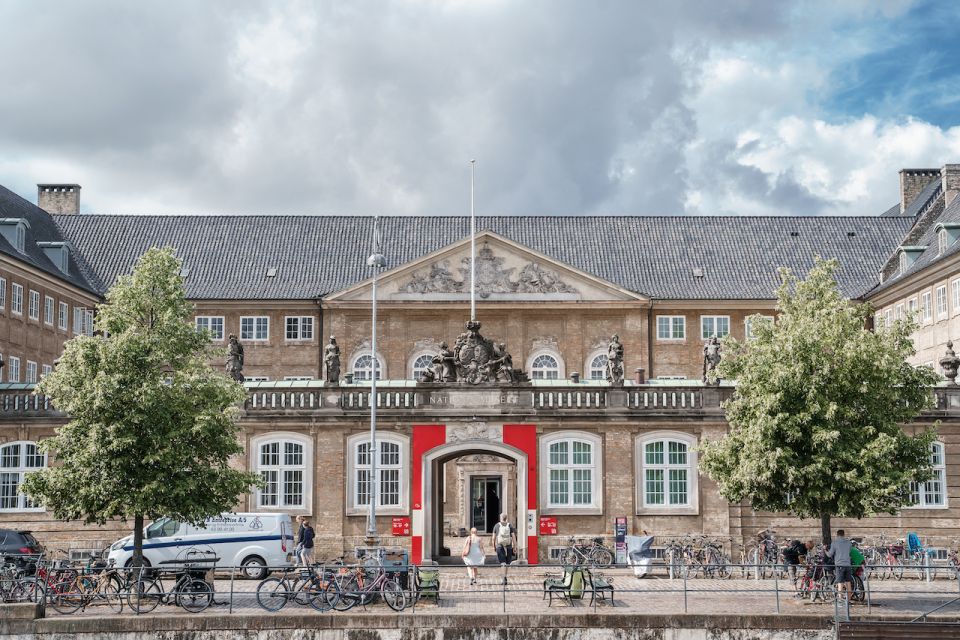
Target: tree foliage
{"points": [[152, 426], [815, 421]]}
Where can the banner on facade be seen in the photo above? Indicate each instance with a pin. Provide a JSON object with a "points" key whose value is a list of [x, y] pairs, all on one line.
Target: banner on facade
{"points": [[548, 525], [401, 526]]}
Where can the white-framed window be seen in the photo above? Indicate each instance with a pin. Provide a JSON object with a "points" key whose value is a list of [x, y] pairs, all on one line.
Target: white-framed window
{"points": [[3, 293], [213, 324], [17, 459], [671, 327], [926, 307], [31, 371], [284, 462], [45, 369], [16, 304], [34, 309], [932, 494], [898, 312], [77, 321], [545, 366], [902, 265], [392, 484], [748, 325], [13, 369], [47, 310], [714, 326], [86, 322], [942, 301], [362, 367], [299, 327], [420, 364], [597, 369], [255, 328], [62, 315], [942, 241], [667, 479], [912, 308], [573, 474], [888, 318]]}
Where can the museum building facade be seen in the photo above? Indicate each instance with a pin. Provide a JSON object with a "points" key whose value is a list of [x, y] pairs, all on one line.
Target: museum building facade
{"points": [[554, 444]]}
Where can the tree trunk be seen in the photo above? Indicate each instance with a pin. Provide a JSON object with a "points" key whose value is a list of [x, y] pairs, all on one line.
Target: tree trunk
{"points": [[825, 529], [137, 560]]}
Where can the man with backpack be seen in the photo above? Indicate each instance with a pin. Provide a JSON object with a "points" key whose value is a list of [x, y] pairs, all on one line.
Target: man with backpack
{"points": [[504, 540]]}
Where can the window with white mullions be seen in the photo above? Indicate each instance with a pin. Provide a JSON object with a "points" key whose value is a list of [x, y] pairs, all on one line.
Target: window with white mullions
{"points": [[545, 367], [363, 367], [942, 301], [598, 367], [282, 466], [671, 327], [213, 324], [299, 328], [388, 472], [570, 473], [420, 364], [17, 459], [667, 473], [254, 328], [714, 326], [932, 494]]}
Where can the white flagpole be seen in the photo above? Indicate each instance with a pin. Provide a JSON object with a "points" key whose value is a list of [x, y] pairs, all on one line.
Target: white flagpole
{"points": [[473, 247]]}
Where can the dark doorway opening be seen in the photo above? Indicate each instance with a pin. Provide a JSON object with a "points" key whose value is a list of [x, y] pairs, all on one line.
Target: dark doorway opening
{"points": [[485, 502]]}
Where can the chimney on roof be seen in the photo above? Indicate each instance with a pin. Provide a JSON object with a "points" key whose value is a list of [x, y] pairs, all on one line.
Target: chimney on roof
{"points": [[950, 174], [59, 198], [912, 182]]}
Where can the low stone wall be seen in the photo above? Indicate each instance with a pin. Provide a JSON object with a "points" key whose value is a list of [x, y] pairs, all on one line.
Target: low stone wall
{"points": [[15, 623]]}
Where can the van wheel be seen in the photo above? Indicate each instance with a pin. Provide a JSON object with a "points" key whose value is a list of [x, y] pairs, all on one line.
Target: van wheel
{"points": [[146, 562], [254, 568]]}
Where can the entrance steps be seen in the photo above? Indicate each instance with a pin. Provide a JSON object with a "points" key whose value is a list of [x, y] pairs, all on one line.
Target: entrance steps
{"points": [[457, 561], [881, 630]]}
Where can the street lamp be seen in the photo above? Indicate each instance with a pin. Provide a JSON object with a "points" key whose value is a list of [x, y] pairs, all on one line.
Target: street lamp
{"points": [[378, 262]]}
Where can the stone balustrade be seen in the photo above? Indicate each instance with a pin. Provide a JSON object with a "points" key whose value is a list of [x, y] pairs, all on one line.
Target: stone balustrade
{"points": [[18, 401]]}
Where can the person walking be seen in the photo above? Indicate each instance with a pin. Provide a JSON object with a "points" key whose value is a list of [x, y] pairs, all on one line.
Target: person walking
{"points": [[473, 554], [298, 539], [306, 539], [504, 540], [843, 570]]}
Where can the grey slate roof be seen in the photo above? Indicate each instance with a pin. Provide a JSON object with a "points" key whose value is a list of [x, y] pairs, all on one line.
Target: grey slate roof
{"points": [[228, 256], [42, 229]]}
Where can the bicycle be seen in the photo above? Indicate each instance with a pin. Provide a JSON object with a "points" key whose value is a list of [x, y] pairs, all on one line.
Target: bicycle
{"points": [[95, 586], [593, 554], [306, 587], [192, 589], [362, 585], [765, 556]]}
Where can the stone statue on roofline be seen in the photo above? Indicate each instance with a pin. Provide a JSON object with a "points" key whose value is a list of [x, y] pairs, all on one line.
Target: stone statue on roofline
{"points": [[331, 358], [950, 363], [711, 360], [235, 358], [615, 362], [474, 359]]}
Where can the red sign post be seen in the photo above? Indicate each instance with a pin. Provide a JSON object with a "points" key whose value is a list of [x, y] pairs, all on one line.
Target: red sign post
{"points": [[401, 526]]}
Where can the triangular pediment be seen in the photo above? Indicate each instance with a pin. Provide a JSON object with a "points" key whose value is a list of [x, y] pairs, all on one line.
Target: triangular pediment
{"points": [[506, 271]]}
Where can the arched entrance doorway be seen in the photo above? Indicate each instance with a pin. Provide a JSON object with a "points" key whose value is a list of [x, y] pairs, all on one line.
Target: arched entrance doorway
{"points": [[436, 445]]}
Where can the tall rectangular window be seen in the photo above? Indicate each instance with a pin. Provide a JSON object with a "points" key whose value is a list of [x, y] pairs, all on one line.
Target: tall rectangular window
{"points": [[13, 369], [926, 307], [888, 318], [299, 327], [714, 326], [16, 305], [912, 307], [254, 327], [34, 310], [45, 370], [3, 293], [48, 310], [62, 316], [671, 327], [942, 301], [31, 371], [213, 324], [749, 325]]}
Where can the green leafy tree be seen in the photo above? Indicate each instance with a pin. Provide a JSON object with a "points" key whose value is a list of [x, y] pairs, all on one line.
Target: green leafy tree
{"points": [[815, 420], [152, 426]]}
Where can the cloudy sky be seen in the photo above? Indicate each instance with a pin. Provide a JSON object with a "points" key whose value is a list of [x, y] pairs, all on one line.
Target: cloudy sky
{"points": [[569, 107]]}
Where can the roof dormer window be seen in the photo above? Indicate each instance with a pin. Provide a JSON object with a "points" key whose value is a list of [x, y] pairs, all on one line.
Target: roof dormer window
{"points": [[941, 241], [58, 253], [909, 255], [947, 234], [14, 230]]}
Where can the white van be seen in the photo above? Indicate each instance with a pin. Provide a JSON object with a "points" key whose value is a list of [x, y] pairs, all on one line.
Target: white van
{"points": [[254, 541]]}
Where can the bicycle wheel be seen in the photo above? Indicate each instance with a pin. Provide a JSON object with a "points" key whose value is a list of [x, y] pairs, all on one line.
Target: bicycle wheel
{"points": [[273, 593], [65, 597], [896, 569], [145, 595], [393, 595], [720, 564], [343, 594], [825, 589], [600, 557], [195, 595], [569, 557], [315, 593], [108, 595], [857, 591], [28, 590]]}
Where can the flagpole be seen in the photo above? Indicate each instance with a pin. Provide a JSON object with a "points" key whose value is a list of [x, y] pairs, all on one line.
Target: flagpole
{"points": [[473, 246]]}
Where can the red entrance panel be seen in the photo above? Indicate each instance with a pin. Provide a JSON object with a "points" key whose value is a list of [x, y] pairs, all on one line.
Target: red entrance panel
{"points": [[524, 438], [425, 438]]}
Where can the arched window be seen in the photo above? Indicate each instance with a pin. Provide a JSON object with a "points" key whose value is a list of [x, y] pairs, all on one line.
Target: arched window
{"points": [[17, 459], [932, 494], [667, 475], [573, 478], [283, 462], [363, 367], [598, 367], [545, 367], [420, 364], [392, 483]]}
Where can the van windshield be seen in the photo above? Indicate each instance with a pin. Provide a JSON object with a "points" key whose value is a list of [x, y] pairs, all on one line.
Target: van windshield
{"points": [[162, 528]]}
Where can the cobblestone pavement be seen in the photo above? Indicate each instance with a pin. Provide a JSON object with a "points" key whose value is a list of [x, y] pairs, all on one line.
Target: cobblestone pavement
{"points": [[523, 593]]}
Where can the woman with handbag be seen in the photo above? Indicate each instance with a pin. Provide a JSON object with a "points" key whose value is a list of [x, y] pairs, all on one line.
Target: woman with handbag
{"points": [[473, 554]]}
